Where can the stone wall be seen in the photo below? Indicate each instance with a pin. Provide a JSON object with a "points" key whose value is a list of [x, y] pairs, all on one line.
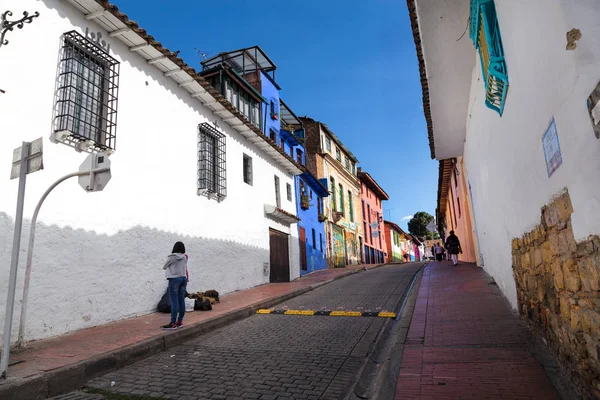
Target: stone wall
{"points": [[558, 289]]}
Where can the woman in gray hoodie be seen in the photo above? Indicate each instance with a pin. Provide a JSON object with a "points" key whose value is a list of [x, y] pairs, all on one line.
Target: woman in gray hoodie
{"points": [[176, 272]]}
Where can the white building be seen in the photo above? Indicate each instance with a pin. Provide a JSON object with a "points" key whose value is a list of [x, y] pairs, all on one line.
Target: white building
{"points": [[515, 96], [186, 165]]}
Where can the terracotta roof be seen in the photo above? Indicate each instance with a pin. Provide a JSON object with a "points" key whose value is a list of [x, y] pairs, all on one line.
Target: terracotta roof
{"points": [[372, 184], [414, 22], [394, 226], [281, 210], [416, 240], [114, 10]]}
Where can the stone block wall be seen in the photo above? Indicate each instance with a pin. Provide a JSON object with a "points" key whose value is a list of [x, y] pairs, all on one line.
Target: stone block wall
{"points": [[558, 289]]}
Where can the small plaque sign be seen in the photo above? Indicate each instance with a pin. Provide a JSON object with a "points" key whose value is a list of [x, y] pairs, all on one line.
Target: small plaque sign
{"points": [[552, 148]]}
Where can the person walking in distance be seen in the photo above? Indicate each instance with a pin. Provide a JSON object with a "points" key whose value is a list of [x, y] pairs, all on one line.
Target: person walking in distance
{"points": [[453, 245], [176, 272], [438, 251]]}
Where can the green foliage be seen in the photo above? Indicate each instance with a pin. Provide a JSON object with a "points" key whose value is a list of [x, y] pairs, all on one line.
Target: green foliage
{"points": [[418, 225]]}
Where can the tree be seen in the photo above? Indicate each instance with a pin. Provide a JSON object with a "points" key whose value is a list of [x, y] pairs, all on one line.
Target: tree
{"points": [[418, 225]]}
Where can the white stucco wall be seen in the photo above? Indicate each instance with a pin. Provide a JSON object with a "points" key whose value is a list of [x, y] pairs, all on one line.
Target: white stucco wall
{"points": [[98, 256], [504, 156]]}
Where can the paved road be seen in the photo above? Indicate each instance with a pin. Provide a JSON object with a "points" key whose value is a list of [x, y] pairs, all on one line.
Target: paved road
{"points": [[273, 356]]}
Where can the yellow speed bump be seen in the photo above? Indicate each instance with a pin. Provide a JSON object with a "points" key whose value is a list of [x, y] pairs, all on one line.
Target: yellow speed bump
{"points": [[339, 313], [387, 314], [299, 312]]}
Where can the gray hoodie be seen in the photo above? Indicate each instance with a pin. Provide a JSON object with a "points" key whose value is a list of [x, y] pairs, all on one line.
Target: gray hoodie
{"points": [[175, 266]]}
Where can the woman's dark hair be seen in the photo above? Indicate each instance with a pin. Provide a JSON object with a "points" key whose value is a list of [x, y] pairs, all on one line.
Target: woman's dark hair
{"points": [[179, 247], [452, 232]]}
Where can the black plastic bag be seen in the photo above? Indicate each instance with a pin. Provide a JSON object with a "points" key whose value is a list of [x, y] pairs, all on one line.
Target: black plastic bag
{"points": [[164, 305]]}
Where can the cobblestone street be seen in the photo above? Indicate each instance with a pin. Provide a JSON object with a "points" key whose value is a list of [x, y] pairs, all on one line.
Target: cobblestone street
{"points": [[274, 356]]}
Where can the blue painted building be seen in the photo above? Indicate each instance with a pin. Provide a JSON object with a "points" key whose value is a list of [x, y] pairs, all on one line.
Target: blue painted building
{"points": [[309, 192], [253, 71]]}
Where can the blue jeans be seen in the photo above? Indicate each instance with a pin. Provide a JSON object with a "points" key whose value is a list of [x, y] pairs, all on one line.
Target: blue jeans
{"points": [[177, 288]]}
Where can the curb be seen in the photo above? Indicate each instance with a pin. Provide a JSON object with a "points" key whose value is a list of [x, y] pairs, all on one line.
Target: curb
{"points": [[367, 384], [73, 377]]}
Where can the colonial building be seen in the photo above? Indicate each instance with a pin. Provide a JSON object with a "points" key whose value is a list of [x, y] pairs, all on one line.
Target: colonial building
{"points": [[189, 162], [329, 159], [371, 196], [310, 192], [513, 109], [393, 233], [246, 78], [454, 212]]}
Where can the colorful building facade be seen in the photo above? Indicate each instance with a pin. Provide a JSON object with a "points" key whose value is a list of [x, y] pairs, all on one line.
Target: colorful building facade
{"points": [[454, 208], [330, 160], [393, 234], [310, 192], [371, 197]]}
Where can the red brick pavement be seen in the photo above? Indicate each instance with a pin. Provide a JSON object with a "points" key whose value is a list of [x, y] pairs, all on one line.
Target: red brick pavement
{"points": [[464, 342], [46, 355]]}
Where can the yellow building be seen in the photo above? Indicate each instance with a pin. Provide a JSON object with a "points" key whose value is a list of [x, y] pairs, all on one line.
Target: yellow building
{"points": [[331, 161]]}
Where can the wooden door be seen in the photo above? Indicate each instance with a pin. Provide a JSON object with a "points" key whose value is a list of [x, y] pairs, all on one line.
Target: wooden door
{"points": [[303, 249], [279, 256]]}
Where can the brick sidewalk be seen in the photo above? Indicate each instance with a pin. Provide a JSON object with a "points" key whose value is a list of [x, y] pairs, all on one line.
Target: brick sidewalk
{"points": [[465, 342], [45, 366]]}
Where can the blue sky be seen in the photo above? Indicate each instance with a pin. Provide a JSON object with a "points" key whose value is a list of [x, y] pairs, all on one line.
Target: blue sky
{"points": [[348, 63]]}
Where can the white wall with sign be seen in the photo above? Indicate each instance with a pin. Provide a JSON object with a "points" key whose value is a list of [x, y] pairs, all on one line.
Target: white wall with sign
{"points": [[544, 140]]}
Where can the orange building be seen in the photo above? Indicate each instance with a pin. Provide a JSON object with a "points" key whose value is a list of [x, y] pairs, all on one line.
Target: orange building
{"points": [[454, 212]]}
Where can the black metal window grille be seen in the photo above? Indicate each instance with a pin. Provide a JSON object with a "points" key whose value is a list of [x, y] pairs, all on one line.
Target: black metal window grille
{"points": [[248, 169], [86, 95], [277, 195], [212, 181], [289, 191], [314, 239]]}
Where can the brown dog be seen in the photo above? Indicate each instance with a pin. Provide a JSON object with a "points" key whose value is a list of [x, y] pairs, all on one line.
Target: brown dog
{"points": [[211, 295]]}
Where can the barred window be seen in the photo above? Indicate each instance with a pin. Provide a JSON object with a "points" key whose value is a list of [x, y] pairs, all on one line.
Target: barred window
{"points": [[277, 194], [289, 191], [248, 169], [86, 95], [212, 181]]}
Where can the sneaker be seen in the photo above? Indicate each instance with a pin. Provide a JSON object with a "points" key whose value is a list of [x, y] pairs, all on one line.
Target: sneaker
{"points": [[169, 327], [179, 324]]}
